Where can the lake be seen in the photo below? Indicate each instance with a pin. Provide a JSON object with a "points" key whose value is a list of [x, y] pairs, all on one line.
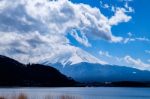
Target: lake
{"points": [[75, 93]]}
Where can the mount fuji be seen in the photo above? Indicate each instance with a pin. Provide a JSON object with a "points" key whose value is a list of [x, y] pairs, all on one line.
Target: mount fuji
{"points": [[70, 55], [83, 67]]}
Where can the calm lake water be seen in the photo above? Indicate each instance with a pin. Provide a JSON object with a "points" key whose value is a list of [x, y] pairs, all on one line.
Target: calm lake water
{"points": [[75, 93]]}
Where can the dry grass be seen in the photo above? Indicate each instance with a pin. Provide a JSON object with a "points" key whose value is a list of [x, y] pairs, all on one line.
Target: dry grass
{"points": [[24, 96], [1, 97], [69, 97], [20, 96], [62, 97]]}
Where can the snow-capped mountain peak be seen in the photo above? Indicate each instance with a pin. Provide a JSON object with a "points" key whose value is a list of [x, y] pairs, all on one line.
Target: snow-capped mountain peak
{"points": [[70, 55]]}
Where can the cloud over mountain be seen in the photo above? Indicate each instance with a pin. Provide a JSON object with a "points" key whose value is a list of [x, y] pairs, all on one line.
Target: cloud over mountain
{"points": [[127, 60], [137, 63], [31, 29]]}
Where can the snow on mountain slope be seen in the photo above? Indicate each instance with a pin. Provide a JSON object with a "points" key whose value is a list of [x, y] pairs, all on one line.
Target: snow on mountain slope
{"points": [[69, 55]]}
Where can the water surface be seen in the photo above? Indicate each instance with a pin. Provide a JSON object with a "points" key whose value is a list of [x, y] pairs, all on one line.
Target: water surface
{"points": [[75, 93]]}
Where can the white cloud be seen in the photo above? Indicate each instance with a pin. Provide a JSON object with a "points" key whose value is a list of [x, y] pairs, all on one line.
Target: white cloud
{"points": [[147, 51], [106, 6], [114, 7], [128, 8], [125, 0], [126, 40], [105, 53], [137, 63], [60, 17], [113, 60], [119, 17], [30, 47], [63, 16], [143, 39], [129, 34], [36, 48], [124, 61], [32, 30], [132, 39], [83, 40]]}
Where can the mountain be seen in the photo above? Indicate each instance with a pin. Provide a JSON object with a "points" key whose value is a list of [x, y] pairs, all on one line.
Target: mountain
{"points": [[83, 67], [94, 72], [70, 55], [13, 73]]}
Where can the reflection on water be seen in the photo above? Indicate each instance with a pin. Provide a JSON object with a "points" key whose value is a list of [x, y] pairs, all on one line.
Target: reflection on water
{"points": [[75, 93]]}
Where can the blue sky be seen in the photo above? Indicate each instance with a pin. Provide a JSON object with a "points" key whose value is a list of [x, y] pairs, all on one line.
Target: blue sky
{"points": [[138, 26], [114, 31]]}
